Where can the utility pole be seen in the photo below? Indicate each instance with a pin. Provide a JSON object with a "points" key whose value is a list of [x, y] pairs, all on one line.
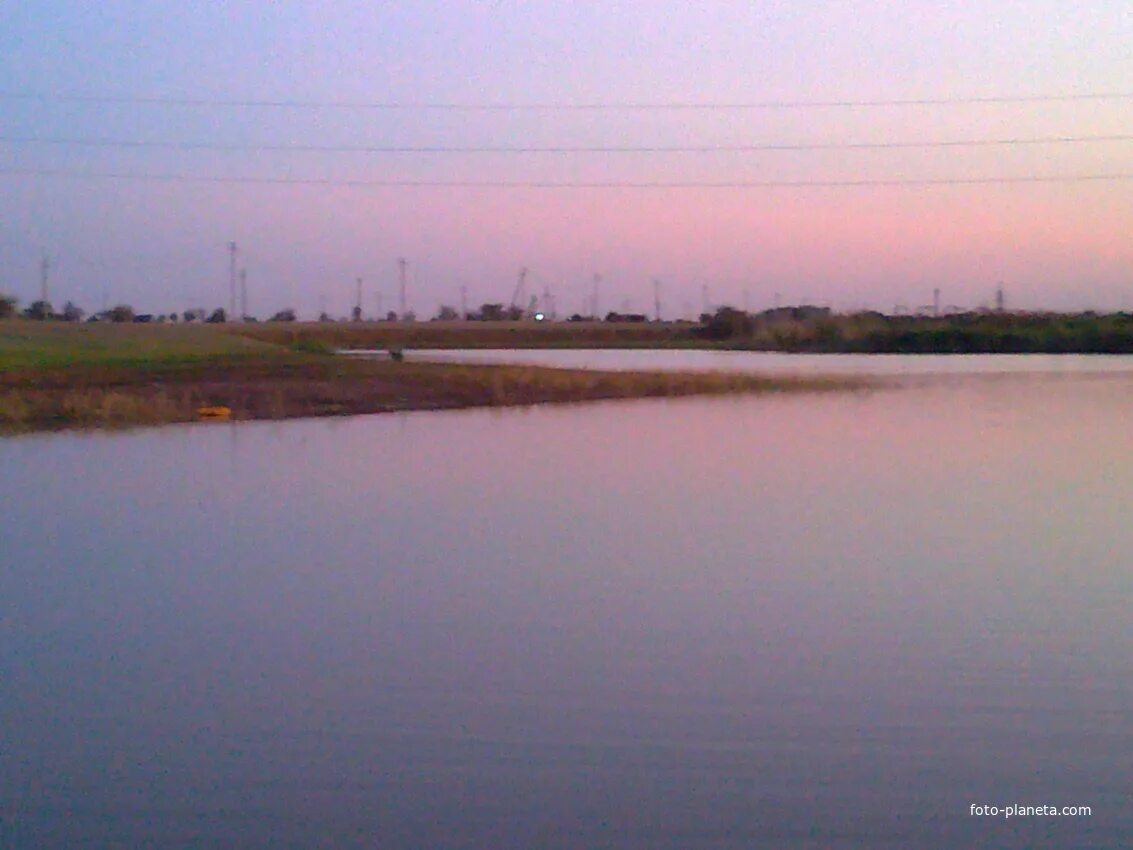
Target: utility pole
{"points": [[44, 268], [704, 297], [358, 302], [231, 280], [463, 302], [402, 264], [378, 297], [936, 302], [999, 299], [243, 293], [520, 293], [594, 296], [656, 299]]}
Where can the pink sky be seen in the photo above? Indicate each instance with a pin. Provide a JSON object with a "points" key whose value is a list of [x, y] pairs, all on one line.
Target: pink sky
{"points": [[161, 245]]}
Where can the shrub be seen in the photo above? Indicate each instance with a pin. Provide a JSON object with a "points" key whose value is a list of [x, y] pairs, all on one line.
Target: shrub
{"points": [[40, 311], [728, 323], [121, 313]]}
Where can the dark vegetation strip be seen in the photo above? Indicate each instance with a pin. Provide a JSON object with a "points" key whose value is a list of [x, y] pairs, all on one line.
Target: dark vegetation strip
{"points": [[790, 329], [457, 334], [817, 330]]}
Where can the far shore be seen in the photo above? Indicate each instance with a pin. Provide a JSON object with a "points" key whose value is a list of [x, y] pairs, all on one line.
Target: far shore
{"points": [[57, 376]]}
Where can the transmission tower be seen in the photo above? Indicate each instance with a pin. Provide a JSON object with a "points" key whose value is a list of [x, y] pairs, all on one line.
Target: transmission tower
{"points": [[520, 289], [231, 279], [243, 293], [44, 268], [402, 265]]}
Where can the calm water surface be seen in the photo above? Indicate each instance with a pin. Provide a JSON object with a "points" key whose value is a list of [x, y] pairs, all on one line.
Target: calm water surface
{"points": [[780, 363], [792, 621]]}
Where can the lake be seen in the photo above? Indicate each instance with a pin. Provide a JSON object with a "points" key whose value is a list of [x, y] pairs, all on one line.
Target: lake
{"points": [[794, 621]]}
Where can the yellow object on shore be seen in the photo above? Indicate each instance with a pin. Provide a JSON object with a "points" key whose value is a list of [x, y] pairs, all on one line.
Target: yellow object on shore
{"points": [[217, 412]]}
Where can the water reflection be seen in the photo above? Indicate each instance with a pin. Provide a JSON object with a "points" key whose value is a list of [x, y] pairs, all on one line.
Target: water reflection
{"points": [[791, 621]]}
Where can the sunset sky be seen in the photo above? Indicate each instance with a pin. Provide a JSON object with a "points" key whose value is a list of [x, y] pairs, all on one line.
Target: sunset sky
{"points": [[138, 139]]}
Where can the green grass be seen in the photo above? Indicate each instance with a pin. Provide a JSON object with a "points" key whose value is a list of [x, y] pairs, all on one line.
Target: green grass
{"points": [[48, 345]]}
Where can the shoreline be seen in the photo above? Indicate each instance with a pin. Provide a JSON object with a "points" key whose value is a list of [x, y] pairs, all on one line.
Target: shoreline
{"points": [[301, 386]]}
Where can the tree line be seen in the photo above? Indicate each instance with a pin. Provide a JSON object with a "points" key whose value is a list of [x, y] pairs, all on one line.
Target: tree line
{"points": [[44, 311]]}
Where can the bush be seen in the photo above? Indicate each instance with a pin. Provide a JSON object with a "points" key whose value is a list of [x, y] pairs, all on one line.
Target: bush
{"points": [[728, 323], [40, 311], [121, 313]]}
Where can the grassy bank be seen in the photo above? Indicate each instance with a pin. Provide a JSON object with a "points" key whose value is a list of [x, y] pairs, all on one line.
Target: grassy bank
{"points": [[59, 376], [526, 334]]}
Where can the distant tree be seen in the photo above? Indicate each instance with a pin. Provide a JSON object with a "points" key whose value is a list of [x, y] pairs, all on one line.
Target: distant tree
{"points": [[409, 316], [728, 323], [194, 315], [120, 313], [391, 316], [72, 312], [173, 317], [217, 317], [491, 313], [40, 311], [7, 306], [284, 315], [447, 314]]}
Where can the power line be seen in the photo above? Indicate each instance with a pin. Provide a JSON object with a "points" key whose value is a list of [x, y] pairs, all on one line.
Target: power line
{"points": [[597, 184], [528, 149], [549, 106]]}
